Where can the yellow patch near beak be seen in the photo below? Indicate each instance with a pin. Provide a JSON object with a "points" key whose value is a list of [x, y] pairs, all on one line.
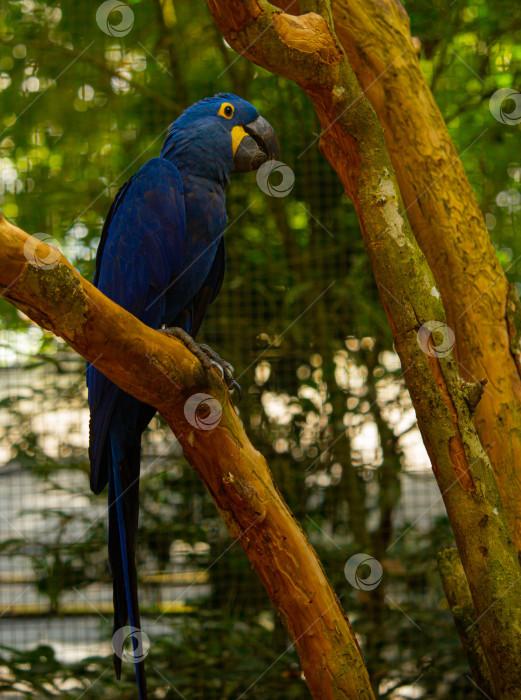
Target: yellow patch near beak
{"points": [[238, 134]]}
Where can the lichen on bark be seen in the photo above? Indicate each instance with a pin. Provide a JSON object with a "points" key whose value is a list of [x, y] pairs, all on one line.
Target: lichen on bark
{"points": [[62, 294]]}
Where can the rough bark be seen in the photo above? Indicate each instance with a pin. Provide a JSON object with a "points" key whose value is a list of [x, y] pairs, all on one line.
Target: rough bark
{"points": [[460, 603], [159, 370], [482, 307], [305, 49]]}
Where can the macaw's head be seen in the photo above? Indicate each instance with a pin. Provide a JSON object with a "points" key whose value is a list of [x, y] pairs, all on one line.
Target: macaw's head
{"points": [[220, 135]]}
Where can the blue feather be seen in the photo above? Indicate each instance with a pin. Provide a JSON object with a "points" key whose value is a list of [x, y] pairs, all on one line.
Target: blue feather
{"points": [[117, 458]]}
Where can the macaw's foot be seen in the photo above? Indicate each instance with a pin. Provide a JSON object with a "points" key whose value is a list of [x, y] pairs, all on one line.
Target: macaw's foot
{"points": [[206, 356]]}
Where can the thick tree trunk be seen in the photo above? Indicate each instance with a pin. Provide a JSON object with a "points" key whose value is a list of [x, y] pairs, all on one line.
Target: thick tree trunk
{"points": [[482, 307], [305, 49], [160, 371]]}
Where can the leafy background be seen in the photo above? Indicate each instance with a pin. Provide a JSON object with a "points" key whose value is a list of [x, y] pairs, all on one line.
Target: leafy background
{"points": [[299, 318]]}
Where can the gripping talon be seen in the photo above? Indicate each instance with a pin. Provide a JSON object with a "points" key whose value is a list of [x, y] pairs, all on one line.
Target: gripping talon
{"points": [[206, 356], [237, 387], [214, 363], [214, 356]]}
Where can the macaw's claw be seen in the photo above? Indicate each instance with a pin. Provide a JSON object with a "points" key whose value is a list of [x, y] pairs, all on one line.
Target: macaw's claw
{"points": [[206, 356]]}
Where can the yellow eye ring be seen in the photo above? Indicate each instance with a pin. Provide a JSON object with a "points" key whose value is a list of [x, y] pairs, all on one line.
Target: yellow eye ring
{"points": [[226, 110]]}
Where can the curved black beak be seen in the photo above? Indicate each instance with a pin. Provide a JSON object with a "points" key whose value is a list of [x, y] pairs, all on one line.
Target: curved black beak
{"points": [[258, 143]]}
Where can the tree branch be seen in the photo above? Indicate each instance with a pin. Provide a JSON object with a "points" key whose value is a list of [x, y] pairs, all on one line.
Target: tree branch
{"points": [[460, 603], [159, 370], [305, 49], [448, 225]]}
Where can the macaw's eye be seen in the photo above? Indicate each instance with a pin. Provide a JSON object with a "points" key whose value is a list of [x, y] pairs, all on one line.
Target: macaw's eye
{"points": [[226, 110]]}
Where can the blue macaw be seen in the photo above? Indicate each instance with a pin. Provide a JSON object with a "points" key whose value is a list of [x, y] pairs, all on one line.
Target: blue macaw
{"points": [[161, 257]]}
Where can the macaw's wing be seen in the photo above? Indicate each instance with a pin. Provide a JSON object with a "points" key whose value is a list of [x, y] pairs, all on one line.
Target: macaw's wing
{"points": [[141, 247], [140, 253], [209, 289]]}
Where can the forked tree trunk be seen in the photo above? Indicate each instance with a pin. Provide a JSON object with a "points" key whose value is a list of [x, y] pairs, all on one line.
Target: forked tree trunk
{"points": [[304, 48], [482, 307]]}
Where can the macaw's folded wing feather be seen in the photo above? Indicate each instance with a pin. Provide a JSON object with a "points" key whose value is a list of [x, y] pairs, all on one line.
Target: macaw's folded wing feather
{"points": [[140, 255]]}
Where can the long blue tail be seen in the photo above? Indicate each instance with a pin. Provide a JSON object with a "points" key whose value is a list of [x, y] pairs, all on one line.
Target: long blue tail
{"points": [[123, 522]]}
